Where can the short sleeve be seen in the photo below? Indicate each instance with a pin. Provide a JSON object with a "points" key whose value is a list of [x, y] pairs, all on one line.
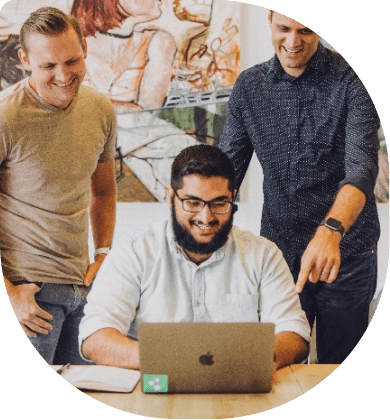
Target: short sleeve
{"points": [[111, 130]]}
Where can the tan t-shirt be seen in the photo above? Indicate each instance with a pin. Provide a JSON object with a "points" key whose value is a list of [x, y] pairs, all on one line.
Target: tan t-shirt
{"points": [[47, 158]]}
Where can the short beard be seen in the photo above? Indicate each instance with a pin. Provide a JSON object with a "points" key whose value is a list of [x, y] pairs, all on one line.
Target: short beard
{"points": [[189, 243]]}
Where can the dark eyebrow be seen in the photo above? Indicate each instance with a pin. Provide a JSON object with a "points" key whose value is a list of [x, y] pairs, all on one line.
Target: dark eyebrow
{"points": [[220, 198], [306, 30]]}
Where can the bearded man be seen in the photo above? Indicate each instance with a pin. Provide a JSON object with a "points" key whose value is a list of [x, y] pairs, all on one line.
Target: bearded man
{"points": [[195, 267]]}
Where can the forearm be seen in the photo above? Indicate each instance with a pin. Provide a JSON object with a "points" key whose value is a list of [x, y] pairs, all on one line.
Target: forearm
{"points": [[348, 205], [102, 215], [289, 348], [111, 348]]}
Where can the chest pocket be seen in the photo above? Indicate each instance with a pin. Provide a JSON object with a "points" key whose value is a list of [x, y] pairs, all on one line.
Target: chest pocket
{"points": [[234, 307]]}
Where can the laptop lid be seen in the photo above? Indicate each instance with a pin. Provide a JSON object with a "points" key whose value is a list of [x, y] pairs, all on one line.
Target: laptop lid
{"points": [[206, 357]]}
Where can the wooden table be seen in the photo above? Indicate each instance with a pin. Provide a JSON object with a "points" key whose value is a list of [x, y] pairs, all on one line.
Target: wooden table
{"points": [[292, 381]]}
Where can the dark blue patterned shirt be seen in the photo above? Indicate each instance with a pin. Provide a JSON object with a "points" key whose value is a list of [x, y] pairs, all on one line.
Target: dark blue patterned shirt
{"points": [[312, 135]]}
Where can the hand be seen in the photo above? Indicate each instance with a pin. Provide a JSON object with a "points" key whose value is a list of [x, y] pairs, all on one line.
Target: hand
{"points": [[93, 270], [321, 259], [31, 317]]}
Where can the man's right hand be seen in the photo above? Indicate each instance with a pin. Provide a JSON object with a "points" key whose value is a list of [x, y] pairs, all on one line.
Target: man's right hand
{"points": [[31, 317]]}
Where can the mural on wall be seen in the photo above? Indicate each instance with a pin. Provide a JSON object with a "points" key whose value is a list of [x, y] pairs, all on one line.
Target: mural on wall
{"points": [[168, 67]]}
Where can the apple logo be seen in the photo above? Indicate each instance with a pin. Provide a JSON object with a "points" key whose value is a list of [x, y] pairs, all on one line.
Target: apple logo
{"points": [[206, 359]]}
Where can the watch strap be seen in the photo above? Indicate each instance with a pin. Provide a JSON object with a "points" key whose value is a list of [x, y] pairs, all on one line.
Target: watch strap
{"points": [[99, 251]]}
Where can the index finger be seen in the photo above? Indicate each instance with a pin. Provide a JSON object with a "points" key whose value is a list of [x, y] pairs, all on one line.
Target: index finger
{"points": [[302, 279]]}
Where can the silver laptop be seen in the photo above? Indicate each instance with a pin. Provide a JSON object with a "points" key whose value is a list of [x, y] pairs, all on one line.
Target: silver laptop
{"points": [[206, 357]]}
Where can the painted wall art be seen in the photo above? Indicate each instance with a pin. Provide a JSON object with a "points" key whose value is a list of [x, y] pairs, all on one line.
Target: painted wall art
{"points": [[168, 67]]}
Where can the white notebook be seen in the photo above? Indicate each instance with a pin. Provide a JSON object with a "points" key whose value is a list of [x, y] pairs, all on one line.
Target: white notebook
{"points": [[101, 378]]}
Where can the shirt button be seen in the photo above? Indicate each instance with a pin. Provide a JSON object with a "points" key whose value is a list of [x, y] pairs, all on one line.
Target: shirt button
{"points": [[197, 304]]}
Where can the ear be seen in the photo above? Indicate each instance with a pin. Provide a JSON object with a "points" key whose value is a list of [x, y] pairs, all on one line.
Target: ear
{"points": [[170, 195], [24, 59], [84, 45], [269, 17]]}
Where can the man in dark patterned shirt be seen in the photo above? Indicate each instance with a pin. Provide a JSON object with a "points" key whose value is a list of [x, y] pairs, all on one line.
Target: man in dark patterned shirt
{"points": [[314, 129]]}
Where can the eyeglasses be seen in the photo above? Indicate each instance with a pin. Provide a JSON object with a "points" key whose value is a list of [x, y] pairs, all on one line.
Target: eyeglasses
{"points": [[196, 205]]}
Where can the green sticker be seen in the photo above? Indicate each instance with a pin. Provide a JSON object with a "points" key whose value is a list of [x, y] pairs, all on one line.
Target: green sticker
{"points": [[155, 383]]}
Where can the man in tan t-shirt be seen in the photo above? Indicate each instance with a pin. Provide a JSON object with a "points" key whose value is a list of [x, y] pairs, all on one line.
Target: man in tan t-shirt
{"points": [[57, 149]]}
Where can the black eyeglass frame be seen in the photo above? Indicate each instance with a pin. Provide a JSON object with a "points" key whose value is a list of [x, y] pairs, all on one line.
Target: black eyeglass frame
{"points": [[231, 204]]}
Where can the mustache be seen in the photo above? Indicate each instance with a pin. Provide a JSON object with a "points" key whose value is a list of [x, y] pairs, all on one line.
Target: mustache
{"points": [[198, 222]]}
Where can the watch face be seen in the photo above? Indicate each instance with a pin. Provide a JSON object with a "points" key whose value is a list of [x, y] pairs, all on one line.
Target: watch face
{"points": [[333, 223]]}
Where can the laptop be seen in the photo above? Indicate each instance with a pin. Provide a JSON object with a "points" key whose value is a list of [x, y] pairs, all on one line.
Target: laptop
{"points": [[193, 357]]}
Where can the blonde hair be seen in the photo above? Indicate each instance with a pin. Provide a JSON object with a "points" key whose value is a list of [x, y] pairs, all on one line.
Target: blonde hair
{"points": [[48, 21]]}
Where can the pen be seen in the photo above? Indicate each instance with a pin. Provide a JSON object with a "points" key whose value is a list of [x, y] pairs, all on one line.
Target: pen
{"points": [[62, 368]]}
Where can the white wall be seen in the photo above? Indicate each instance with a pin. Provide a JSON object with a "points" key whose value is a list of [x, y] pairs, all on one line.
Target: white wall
{"points": [[256, 47]]}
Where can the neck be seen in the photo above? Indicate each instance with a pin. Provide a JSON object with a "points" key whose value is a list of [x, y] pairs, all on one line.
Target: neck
{"points": [[293, 72], [197, 258], [62, 105], [126, 29]]}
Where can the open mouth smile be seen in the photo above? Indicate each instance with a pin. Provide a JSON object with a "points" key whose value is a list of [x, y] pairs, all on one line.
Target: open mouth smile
{"points": [[296, 51], [205, 228], [65, 86]]}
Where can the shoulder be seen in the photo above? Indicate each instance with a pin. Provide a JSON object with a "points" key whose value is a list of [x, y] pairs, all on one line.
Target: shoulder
{"points": [[13, 103], [250, 243], [336, 66], [89, 96], [250, 82], [160, 39], [141, 239], [257, 254], [257, 71], [12, 95], [253, 75], [334, 59]]}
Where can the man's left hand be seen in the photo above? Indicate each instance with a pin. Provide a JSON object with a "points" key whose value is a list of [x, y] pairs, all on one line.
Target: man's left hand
{"points": [[321, 259], [93, 270]]}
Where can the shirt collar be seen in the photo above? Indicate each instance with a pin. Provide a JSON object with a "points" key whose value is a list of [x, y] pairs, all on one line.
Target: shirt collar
{"points": [[316, 63]]}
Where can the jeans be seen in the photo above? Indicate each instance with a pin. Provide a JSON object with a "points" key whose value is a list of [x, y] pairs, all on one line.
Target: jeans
{"points": [[341, 308], [65, 302]]}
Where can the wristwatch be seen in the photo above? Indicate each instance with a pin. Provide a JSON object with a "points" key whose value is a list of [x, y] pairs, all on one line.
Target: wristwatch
{"points": [[99, 251], [334, 224]]}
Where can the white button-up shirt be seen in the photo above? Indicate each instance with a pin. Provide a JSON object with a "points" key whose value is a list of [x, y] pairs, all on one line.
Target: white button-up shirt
{"points": [[148, 278]]}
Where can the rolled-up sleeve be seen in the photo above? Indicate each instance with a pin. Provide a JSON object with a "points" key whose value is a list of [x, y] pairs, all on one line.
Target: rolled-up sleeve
{"points": [[278, 301], [362, 142], [115, 294]]}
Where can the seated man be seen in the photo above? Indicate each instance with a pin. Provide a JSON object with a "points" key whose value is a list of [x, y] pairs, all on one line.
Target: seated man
{"points": [[195, 267]]}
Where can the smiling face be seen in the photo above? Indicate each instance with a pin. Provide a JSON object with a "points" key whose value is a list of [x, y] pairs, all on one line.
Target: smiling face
{"points": [[294, 43], [201, 234], [57, 66]]}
